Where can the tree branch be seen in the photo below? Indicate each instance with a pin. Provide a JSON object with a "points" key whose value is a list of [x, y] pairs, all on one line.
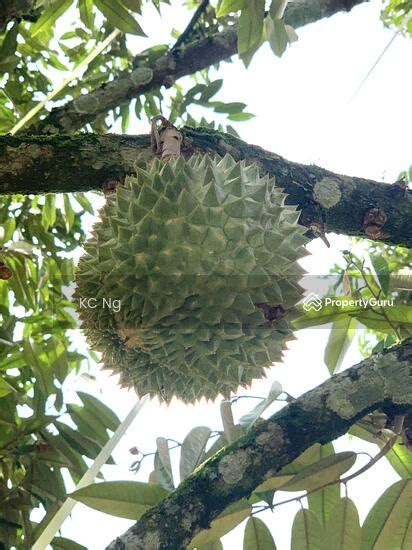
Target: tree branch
{"points": [[12, 10], [342, 204], [199, 55], [184, 37], [383, 381]]}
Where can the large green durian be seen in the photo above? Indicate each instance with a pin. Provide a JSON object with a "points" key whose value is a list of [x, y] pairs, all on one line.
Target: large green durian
{"points": [[203, 255]]}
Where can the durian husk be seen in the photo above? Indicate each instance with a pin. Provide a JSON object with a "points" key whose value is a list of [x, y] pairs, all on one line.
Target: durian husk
{"points": [[202, 253]]}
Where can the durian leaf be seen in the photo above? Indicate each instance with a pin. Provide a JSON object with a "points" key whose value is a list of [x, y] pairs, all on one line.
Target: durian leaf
{"points": [[250, 27], [277, 36], [381, 268], [228, 519], [322, 502], [118, 16], [388, 524], [229, 427], [342, 531], [69, 214], [273, 483], [399, 457], [340, 338], [99, 409], [79, 442], [306, 531], [227, 6], [125, 499], [250, 418], [84, 202], [257, 536], [61, 543], [48, 214], [193, 450], [321, 472], [163, 465], [211, 546], [49, 16], [87, 423]]}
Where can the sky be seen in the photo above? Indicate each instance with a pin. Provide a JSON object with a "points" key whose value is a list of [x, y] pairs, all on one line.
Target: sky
{"points": [[304, 112]]}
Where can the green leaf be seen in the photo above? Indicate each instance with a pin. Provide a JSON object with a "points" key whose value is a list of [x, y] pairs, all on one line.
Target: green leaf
{"points": [[133, 5], [41, 369], [388, 524], [240, 117], [276, 34], [325, 470], [342, 531], [10, 42], [125, 499], [61, 543], [22, 247], [68, 212], [273, 483], [5, 388], [210, 90], [88, 424], [80, 442], [228, 6], [250, 418], [250, 27], [193, 450], [399, 315], [398, 456], [118, 16], [228, 519], [340, 338], [162, 465], [381, 267], [306, 531], [86, 13], [48, 215], [49, 16], [211, 546], [8, 228], [107, 417], [321, 503], [257, 536]]}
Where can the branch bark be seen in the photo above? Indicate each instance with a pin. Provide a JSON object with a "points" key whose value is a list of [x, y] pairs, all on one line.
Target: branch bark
{"points": [[382, 381], [336, 203], [200, 54], [12, 10]]}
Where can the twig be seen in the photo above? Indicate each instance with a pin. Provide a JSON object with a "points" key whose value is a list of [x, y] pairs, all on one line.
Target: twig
{"points": [[189, 29]]}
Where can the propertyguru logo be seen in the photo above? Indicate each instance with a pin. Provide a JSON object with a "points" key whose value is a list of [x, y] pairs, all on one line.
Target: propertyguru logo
{"points": [[313, 302]]}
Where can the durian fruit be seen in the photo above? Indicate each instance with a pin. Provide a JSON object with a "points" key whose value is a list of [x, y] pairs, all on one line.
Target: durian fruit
{"points": [[202, 253]]}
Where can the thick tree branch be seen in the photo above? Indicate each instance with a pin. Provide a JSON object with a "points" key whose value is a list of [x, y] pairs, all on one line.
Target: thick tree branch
{"points": [[342, 204], [12, 10], [383, 381], [200, 54]]}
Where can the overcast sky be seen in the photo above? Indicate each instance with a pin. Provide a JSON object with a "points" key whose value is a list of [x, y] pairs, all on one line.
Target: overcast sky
{"points": [[303, 112]]}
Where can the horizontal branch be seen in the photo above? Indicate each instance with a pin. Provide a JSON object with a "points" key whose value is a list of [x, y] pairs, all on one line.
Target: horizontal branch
{"points": [[383, 381], [187, 60], [329, 201]]}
